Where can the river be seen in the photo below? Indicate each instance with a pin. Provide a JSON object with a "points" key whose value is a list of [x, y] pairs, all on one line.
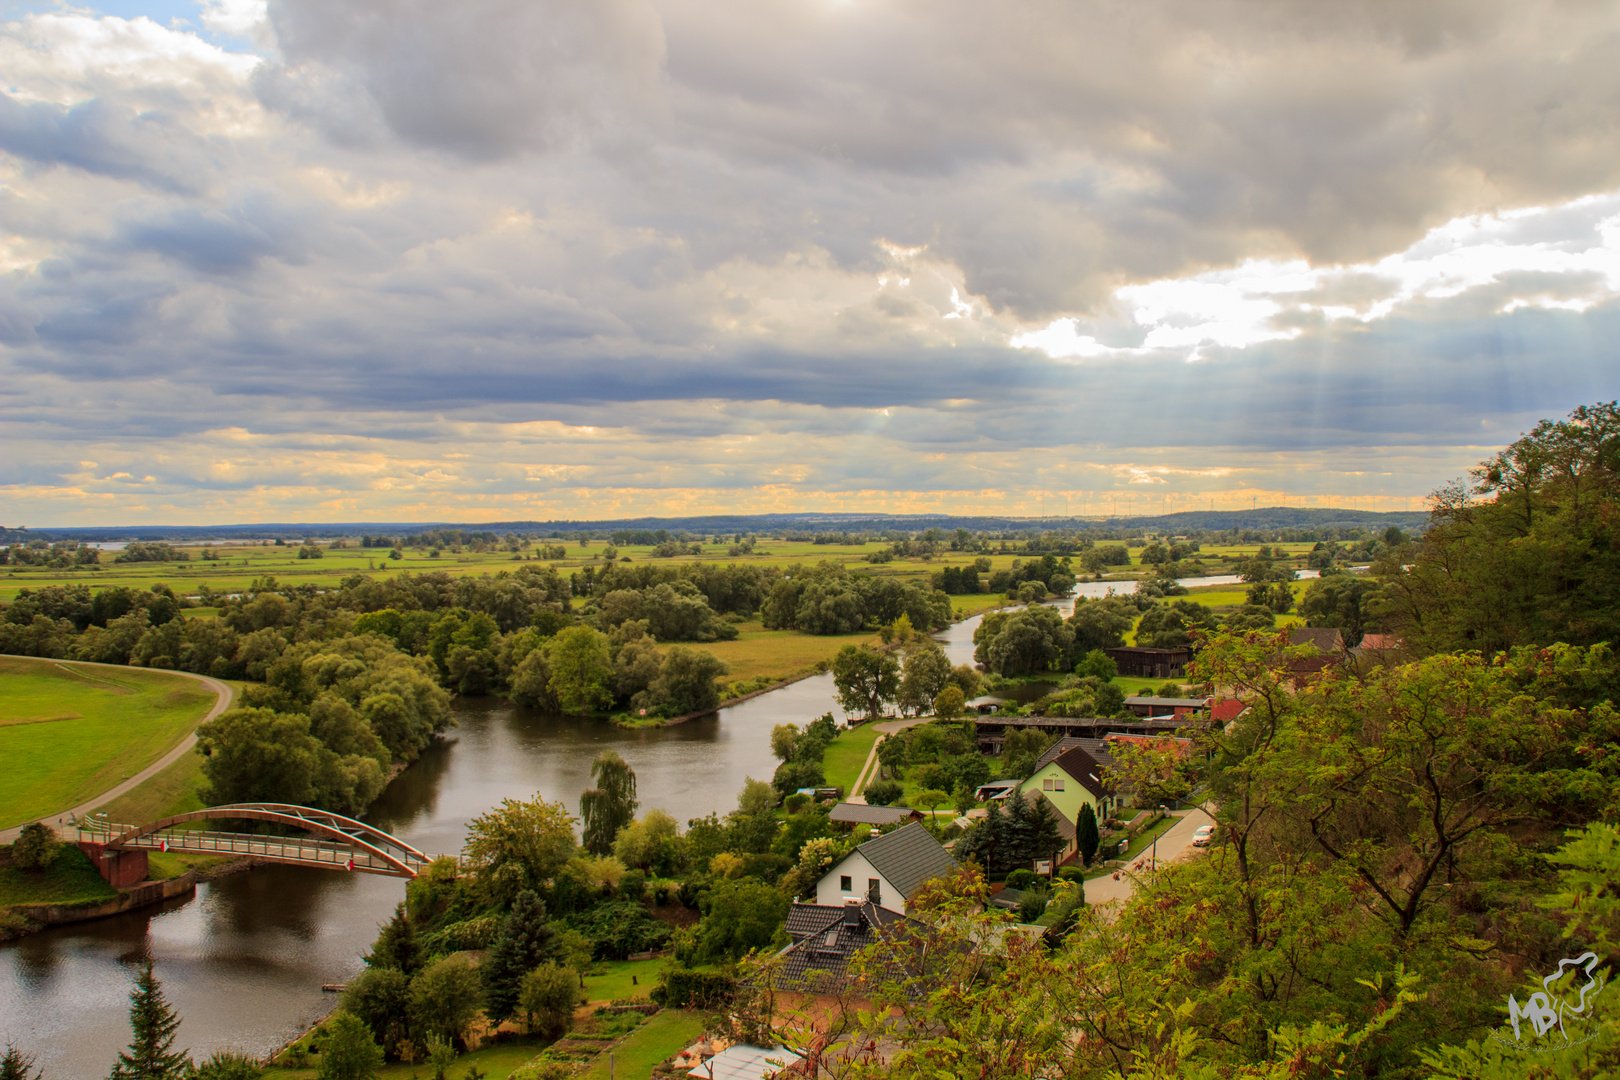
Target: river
{"points": [[243, 961]]}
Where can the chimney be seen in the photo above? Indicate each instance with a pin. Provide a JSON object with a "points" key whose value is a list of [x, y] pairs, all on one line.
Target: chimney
{"points": [[852, 913]]}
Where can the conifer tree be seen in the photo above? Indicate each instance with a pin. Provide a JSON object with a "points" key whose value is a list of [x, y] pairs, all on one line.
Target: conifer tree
{"points": [[1086, 836], [151, 1054], [396, 945], [16, 1065], [524, 941]]}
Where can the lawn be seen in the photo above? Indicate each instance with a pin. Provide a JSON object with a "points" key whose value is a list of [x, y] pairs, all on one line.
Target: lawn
{"points": [[69, 731], [70, 879], [612, 980], [176, 790], [666, 1033], [778, 654], [843, 758]]}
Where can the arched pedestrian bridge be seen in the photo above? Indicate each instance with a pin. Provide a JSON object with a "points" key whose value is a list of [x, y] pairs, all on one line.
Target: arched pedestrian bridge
{"points": [[325, 840]]}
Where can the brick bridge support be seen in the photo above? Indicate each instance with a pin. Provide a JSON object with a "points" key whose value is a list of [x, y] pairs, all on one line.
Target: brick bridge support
{"points": [[121, 869]]}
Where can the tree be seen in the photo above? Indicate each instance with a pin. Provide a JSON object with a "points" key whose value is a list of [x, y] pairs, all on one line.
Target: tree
{"points": [[151, 1054], [949, 702], [548, 996], [525, 939], [580, 667], [396, 945], [865, 679], [924, 674], [34, 847], [651, 844], [1029, 640], [739, 916], [883, 792], [1524, 553], [610, 805], [349, 1053], [1086, 836], [1154, 771], [381, 997], [687, 682], [933, 799], [16, 1065], [519, 845], [444, 999], [1341, 601]]}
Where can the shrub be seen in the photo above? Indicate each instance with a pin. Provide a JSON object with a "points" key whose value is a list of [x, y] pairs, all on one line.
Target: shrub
{"points": [[883, 793], [695, 987], [1020, 879], [34, 848]]}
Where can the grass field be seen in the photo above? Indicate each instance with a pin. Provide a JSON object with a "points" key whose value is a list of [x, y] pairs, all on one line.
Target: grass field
{"points": [[844, 757], [175, 790], [777, 653], [612, 982], [70, 879], [68, 732], [666, 1033]]}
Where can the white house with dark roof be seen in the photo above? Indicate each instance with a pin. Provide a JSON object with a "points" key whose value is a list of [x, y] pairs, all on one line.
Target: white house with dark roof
{"points": [[886, 870]]}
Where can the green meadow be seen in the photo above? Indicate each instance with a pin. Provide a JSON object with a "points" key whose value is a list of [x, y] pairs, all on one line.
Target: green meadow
{"points": [[69, 731]]}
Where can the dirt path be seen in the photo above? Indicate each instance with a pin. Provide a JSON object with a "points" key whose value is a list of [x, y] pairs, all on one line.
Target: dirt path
{"points": [[224, 695], [869, 768]]}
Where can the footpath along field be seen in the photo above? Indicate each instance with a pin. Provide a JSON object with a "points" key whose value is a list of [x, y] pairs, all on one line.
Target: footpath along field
{"points": [[69, 732]]}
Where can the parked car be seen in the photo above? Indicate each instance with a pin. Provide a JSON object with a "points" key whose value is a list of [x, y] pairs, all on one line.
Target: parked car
{"points": [[1203, 835]]}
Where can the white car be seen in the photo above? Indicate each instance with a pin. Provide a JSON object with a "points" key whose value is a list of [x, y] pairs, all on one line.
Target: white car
{"points": [[1203, 835]]}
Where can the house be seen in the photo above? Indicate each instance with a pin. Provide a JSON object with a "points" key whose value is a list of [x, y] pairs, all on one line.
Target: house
{"points": [[887, 870], [1074, 772], [1329, 651], [1138, 662], [883, 817], [987, 705]]}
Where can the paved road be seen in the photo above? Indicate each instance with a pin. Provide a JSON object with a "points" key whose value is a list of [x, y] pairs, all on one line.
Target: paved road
{"points": [[224, 696], [1175, 844]]}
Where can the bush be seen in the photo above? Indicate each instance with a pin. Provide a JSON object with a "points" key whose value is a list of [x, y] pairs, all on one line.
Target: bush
{"points": [[883, 793], [695, 987], [34, 847], [1033, 905], [1020, 879], [619, 929], [633, 886], [548, 997], [1072, 873]]}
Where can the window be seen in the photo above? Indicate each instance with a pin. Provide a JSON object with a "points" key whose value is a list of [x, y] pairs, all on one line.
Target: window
{"points": [[1052, 783], [873, 891], [845, 884]]}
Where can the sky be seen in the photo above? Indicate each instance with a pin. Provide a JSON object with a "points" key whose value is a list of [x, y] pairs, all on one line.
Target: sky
{"points": [[486, 261]]}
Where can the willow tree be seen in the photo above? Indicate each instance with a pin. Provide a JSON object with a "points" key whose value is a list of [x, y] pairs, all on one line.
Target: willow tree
{"points": [[610, 805]]}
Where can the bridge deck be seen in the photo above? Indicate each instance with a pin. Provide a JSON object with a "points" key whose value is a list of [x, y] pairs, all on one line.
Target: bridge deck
{"points": [[291, 850]]}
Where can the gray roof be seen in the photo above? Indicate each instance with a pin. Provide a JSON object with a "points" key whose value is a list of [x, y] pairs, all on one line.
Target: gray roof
{"points": [[863, 814], [817, 961], [1167, 702], [743, 1061], [907, 857], [1097, 748]]}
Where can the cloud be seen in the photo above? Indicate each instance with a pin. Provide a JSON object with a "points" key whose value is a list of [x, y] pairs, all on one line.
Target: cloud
{"points": [[493, 258]]}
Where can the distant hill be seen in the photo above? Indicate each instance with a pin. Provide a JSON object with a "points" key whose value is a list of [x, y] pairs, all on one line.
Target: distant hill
{"points": [[1264, 520]]}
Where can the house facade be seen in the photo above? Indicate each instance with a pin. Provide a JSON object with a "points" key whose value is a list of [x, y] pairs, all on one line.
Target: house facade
{"points": [[886, 870]]}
